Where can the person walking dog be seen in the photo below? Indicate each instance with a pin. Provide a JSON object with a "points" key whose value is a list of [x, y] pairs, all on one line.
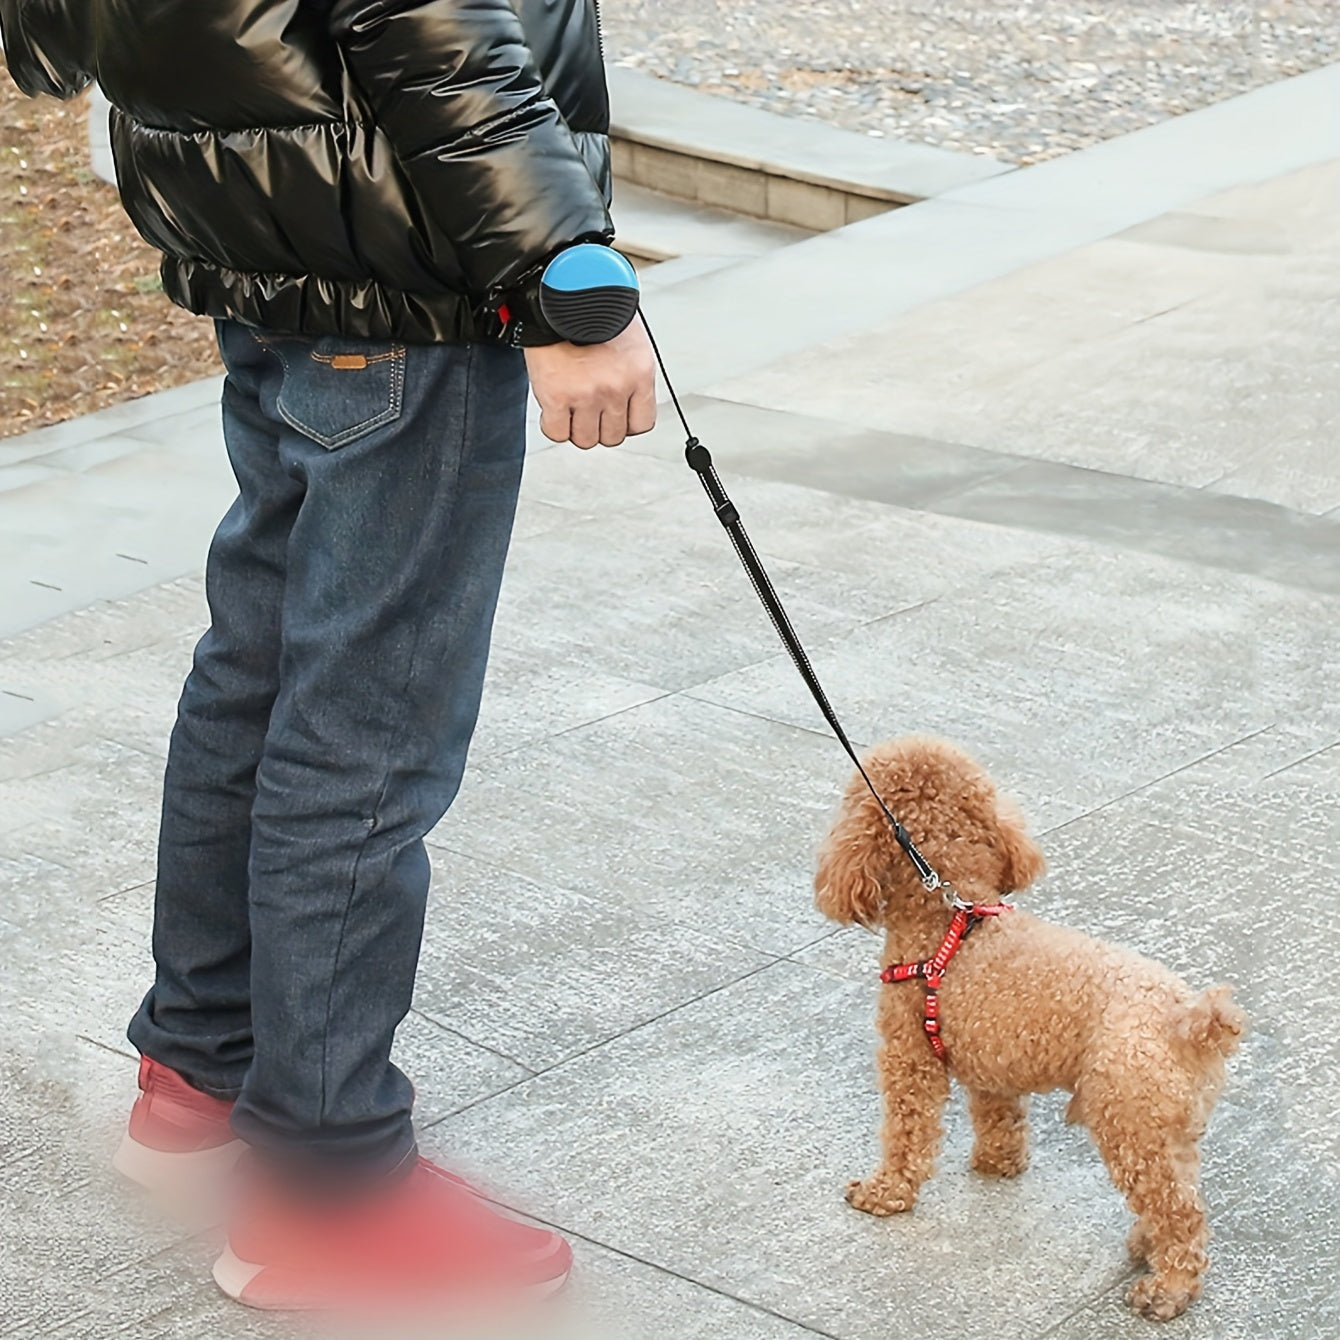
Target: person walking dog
{"points": [[362, 194]]}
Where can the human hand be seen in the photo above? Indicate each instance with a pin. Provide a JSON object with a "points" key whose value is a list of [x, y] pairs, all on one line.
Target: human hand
{"points": [[591, 394]]}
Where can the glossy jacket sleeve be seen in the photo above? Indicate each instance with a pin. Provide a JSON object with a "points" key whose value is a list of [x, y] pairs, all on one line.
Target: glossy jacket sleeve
{"points": [[48, 44], [453, 86]]}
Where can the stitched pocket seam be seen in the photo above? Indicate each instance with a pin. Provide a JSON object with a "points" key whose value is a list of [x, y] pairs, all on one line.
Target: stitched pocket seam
{"points": [[396, 357]]}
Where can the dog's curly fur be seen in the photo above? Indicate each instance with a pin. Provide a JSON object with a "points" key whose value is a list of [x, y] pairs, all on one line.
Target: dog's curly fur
{"points": [[1025, 1008]]}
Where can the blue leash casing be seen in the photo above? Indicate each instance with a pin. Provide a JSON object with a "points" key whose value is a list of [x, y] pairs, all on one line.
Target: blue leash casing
{"points": [[589, 293]]}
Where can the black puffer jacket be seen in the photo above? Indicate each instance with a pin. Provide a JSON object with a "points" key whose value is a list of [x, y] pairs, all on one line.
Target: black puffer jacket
{"points": [[374, 168]]}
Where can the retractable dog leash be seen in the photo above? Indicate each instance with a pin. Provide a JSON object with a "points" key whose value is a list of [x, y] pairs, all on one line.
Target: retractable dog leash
{"points": [[589, 294]]}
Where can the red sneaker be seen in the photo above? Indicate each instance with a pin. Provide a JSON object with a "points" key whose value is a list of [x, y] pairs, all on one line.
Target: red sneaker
{"points": [[178, 1145], [424, 1238]]}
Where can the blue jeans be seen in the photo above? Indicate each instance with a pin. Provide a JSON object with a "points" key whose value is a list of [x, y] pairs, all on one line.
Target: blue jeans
{"points": [[323, 729]]}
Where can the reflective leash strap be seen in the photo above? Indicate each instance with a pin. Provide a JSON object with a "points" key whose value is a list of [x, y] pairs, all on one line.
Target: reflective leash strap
{"points": [[700, 461]]}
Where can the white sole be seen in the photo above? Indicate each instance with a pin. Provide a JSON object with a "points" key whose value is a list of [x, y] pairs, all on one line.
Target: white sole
{"points": [[188, 1186], [234, 1275]]}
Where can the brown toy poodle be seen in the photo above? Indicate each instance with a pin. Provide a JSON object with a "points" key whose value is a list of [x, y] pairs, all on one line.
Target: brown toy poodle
{"points": [[1022, 1007]]}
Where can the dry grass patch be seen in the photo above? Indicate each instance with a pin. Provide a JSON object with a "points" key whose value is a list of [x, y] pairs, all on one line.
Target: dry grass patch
{"points": [[83, 318]]}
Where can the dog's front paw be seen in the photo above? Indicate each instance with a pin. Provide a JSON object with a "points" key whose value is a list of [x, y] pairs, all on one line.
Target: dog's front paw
{"points": [[880, 1197], [1000, 1162], [1161, 1300]]}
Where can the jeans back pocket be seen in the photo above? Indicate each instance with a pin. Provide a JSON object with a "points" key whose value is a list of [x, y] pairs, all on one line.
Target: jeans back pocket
{"points": [[336, 390]]}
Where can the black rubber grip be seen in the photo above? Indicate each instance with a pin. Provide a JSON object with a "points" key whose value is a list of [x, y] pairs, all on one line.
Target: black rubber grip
{"points": [[589, 315]]}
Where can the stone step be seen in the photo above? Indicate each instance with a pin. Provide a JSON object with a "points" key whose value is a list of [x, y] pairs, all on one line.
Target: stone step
{"points": [[655, 227], [790, 170]]}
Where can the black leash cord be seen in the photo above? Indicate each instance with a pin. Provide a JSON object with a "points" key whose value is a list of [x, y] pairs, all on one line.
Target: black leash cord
{"points": [[700, 461]]}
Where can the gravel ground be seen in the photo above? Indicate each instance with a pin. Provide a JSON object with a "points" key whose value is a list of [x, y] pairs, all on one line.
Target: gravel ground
{"points": [[1019, 81]]}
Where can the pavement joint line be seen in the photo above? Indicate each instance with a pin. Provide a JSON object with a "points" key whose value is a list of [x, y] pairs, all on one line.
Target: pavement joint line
{"points": [[1316, 753], [660, 918], [1157, 781], [538, 740], [811, 944], [694, 691], [821, 732], [1123, 1283], [774, 960], [473, 1042], [124, 892], [674, 1274], [103, 1046]]}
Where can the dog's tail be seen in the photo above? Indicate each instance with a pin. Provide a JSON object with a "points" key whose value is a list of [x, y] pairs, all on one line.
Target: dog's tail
{"points": [[1211, 1022]]}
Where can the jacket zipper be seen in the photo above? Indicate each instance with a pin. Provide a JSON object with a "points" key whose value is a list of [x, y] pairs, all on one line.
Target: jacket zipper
{"points": [[600, 35]]}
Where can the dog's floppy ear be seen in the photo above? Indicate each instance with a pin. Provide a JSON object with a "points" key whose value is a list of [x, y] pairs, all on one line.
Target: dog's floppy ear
{"points": [[849, 884], [1024, 861]]}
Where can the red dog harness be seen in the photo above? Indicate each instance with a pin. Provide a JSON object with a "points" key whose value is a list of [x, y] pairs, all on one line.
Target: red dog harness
{"points": [[932, 970]]}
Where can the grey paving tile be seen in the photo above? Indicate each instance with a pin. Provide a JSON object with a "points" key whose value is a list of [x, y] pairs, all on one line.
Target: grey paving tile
{"points": [[1260, 1283], [658, 591], [200, 424], [100, 980], [122, 418], [660, 226], [108, 628], [541, 973], [1304, 475], [716, 1142], [24, 474], [1199, 368], [1208, 232], [1281, 809], [95, 814], [65, 1224], [98, 451], [447, 1070], [129, 696], [170, 1296], [168, 1293], [534, 518], [115, 665], [1241, 535], [530, 696], [851, 952], [1075, 678], [600, 482], [108, 532], [863, 524], [819, 453], [59, 1090], [699, 815], [1214, 911], [19, 711]]}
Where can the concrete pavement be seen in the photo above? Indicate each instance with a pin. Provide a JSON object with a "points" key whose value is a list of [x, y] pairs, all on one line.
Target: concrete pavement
{"points": [[1081, 514]]}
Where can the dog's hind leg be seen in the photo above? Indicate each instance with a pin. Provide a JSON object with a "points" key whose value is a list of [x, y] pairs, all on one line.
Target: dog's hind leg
{"points": [[916, 1088], [1001, 1126], [1157, 1171]]}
